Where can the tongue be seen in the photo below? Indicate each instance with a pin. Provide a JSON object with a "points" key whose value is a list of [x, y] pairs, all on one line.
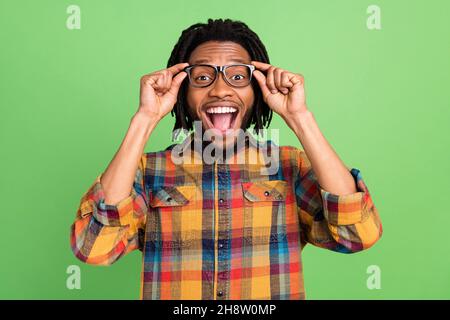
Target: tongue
{"points": [[221, 121]]}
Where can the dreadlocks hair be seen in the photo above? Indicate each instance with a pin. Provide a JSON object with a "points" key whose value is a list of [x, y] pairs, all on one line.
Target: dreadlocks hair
{"points": [[219, 30]]}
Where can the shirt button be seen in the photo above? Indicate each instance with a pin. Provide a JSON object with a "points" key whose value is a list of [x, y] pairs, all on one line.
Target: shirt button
{"points": [[220, 245], [221, 200], [220, 293], [266, 193], [169, 199]]}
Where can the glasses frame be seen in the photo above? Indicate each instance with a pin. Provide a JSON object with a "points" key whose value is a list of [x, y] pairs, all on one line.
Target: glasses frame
{"points": [[219, 69]]}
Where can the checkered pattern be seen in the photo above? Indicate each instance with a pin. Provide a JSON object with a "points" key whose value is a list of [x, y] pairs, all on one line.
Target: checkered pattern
{"points": [[223, 231]]}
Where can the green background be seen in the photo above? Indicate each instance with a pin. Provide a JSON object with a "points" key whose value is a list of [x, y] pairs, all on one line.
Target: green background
{"points": [[381, 97]]}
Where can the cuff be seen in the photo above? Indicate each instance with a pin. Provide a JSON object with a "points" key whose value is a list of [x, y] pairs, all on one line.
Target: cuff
{"points": [[93, 202], [350, 208]]}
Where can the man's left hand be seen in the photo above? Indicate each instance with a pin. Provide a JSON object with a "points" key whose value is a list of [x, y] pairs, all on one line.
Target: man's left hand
{"points": [[282, 90]]}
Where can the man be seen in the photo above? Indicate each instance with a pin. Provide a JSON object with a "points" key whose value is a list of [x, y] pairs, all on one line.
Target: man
{"points": [[223, 229]]}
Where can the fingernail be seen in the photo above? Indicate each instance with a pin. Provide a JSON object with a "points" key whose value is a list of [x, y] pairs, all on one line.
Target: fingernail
{"points": [[274, 91]]}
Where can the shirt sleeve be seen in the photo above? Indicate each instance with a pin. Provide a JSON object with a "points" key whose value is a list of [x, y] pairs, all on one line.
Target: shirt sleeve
{"points": [[343, 223], [102, 233]]}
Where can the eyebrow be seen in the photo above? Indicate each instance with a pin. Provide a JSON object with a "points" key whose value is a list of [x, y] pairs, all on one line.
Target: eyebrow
{"points": [[235, 60]]}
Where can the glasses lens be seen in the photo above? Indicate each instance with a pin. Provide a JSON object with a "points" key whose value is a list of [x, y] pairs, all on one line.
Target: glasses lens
{"points": [[238, 76], [202, 76]]}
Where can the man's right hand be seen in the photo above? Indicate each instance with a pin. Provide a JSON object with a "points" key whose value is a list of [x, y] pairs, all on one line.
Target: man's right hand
{"points": [[159, 90]]}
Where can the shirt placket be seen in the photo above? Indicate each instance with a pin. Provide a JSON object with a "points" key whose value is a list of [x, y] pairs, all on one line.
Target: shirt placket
{"points": [[221, 233]]}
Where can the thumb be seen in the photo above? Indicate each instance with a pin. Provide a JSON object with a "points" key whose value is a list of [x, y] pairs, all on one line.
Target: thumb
{"points": [[261, 78], [176, 83]]}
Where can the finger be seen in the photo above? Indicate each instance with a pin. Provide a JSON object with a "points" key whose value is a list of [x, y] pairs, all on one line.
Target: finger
{"points": [[177, 68], [160, 81], [297, 80], [167, 81], [285, 80], [261, 78], [261, 65], [151, 81], [148, 81], [171, 72], [176, 83], [159, 84], [270, 80], [155, 82], [277, 77]]}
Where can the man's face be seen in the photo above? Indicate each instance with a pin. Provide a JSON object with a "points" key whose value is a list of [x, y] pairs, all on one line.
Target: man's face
{"points": [[220, 106]]}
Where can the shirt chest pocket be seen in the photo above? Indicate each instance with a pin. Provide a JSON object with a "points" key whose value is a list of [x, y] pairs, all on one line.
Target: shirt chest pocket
{"points": [[175, 220], [264, 212]]}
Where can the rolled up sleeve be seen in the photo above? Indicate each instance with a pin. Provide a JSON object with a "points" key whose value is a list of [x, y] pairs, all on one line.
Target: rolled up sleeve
{"points": [[102, 233], [343, 223]]}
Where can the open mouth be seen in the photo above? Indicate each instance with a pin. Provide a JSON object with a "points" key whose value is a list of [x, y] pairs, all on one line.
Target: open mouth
{"points": [[222, 118]]}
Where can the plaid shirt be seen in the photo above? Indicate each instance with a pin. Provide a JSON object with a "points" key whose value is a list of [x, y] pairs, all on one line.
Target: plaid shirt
{"points": [[223, 231]]}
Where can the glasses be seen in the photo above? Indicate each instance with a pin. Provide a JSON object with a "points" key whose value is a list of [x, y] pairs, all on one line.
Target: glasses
{"points": [[236, 75]]}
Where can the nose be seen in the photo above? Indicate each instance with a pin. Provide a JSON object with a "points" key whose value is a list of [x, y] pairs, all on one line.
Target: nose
{"points": [[220, 88]]}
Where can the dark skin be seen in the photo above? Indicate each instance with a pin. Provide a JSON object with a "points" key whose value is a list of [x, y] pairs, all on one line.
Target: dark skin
{"points": [[283, 91], [220, 53]]}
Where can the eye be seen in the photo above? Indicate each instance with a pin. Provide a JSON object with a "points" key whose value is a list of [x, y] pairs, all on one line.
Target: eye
{"points": [[238, 77], [202, 78]]}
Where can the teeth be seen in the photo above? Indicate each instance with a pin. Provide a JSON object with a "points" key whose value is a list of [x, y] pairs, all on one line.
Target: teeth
{"points": [[221, 110]]}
